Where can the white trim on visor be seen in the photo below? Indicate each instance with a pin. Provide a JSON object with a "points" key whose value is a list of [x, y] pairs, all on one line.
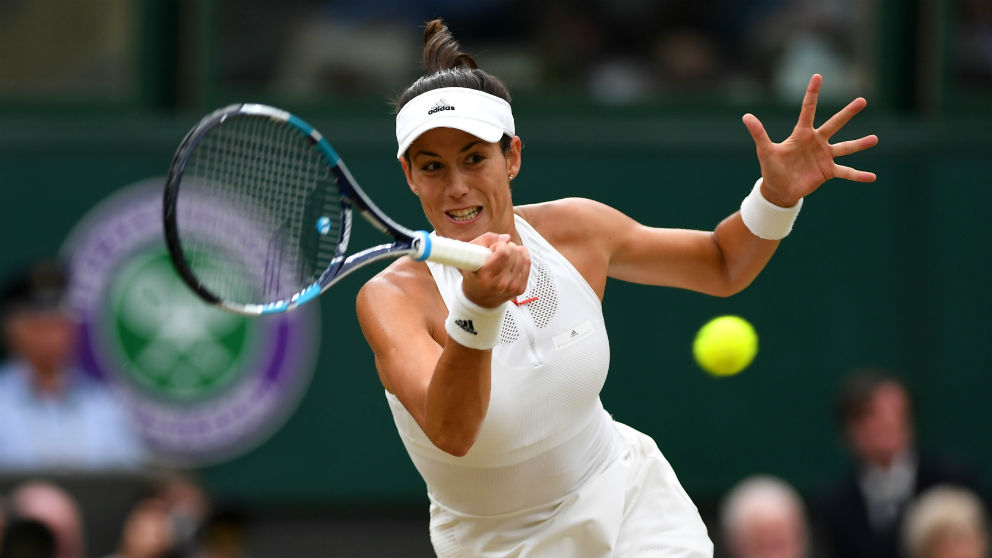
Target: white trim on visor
{"points": [[485, 116]]}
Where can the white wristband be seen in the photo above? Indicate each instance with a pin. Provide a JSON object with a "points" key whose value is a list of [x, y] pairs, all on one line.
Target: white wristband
{"points": [[471, 325], [765, 219]]}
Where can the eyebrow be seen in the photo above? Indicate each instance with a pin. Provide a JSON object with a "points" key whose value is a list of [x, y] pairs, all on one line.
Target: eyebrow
{"points": [[432, 154]]}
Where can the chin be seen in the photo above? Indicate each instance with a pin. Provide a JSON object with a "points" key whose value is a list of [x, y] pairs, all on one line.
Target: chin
{"points": [[464, 232]]}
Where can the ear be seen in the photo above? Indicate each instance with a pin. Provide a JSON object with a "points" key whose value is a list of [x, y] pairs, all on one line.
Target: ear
{"points": [[406, 172], [513, 156]]}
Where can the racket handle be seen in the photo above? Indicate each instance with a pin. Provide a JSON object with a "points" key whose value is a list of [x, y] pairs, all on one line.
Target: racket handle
{"points": [[449, 251]]}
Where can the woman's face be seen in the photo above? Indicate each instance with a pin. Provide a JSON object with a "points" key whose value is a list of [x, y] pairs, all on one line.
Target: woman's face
{"points": [[463, 182]]}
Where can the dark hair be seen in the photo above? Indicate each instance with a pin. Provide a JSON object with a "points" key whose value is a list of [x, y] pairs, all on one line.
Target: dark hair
{"points": [[27, 537], [857, 389], [448, 65], [40, 285]]}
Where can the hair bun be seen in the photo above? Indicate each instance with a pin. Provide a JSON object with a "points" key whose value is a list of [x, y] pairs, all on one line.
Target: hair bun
{"points": [[442, 51]]}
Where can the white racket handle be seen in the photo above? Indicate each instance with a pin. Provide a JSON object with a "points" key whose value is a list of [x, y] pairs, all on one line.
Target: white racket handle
{"points": [[448, 251]]}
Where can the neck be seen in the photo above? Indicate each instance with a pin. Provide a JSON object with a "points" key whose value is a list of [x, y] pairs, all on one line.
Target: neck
{"points": [[888, 461], [512, 230], [47, 380]]}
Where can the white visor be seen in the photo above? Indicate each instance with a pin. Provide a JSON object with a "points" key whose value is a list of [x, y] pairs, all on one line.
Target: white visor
{"points": [[485, 116]]}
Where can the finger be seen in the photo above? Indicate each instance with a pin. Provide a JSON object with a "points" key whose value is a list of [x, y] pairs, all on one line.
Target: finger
{"points": [[509, 257], [521, 275], [808, 112], [518, 257], [497, 262], [847, 173], [837, 121], [487, 239], [853, 146], [757, 130], [501, 274]]}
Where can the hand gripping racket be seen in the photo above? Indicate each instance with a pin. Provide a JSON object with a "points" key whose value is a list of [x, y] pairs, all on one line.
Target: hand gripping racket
{"points": [[258, 213]]}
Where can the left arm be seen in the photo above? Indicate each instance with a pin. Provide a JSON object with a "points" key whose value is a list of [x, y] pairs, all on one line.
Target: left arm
{"points": [[726, 260]]}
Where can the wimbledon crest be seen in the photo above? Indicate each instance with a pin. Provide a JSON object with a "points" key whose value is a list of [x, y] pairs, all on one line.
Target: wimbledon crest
{"points": [[204, 385]]}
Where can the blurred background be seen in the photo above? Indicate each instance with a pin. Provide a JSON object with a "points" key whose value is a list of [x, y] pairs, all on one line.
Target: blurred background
{"points": [[635, 103]]}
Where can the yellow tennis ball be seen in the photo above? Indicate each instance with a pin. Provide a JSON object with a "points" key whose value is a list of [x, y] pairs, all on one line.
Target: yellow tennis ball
{"points": [[725, 345]]}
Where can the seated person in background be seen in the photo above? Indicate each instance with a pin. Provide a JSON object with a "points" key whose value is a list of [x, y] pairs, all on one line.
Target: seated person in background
{"points": [[863, 512], [52, 416], [148, 531], [946, 522], [167, 522], [763, 517], [27, 538], [54, 508]]}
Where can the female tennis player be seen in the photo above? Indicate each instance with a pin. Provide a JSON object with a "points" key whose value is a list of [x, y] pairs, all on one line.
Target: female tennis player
{"points": [[493, 376]]}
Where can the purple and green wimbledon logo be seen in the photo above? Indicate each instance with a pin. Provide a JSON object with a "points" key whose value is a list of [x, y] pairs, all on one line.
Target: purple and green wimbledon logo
{"points": [[203, 384]]}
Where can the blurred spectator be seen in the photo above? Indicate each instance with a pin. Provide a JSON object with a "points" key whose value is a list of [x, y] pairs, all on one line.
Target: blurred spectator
{"points": [[223, 535], [863, 513], [338, 47], [946, 522], [973, 48], [67, 49], [51, 415], [52, 507], [148, 532], [169, 523], [188, 508], [764, 517], [615, 52], [27, 538]]}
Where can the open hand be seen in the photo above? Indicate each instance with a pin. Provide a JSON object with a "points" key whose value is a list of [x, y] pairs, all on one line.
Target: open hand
{"points": [[798, 166]]}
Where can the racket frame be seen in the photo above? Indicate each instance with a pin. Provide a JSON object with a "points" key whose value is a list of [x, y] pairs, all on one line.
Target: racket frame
{"points": [[417, 244]]}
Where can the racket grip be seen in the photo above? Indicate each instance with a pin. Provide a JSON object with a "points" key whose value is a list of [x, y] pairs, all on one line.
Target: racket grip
{"points": [[449, 251]]}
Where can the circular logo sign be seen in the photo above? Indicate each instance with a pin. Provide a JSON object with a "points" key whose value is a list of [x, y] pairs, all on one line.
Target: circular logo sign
{"points": [[204, 385]]}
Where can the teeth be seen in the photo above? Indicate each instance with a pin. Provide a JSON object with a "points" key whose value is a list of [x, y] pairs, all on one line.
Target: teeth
{"points": [[465, 214]]}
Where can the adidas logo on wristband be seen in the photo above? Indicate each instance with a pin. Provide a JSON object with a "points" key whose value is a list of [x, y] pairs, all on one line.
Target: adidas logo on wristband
{"points": [[467, 326]]}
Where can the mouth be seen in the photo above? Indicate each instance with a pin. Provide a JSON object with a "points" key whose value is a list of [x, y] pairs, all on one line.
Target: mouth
{"points": [[464, 215]]}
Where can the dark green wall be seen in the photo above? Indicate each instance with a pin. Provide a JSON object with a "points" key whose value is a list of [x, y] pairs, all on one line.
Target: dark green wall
{"points": [[892, 273]]}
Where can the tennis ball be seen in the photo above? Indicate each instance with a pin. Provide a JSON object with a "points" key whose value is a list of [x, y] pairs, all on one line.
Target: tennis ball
{"points": [[725, 345]]}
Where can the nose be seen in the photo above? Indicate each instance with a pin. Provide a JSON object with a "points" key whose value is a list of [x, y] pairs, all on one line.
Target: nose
{"points": [[457, 185]]}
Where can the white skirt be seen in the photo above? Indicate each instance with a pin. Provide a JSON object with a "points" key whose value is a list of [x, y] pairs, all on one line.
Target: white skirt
{"points": [[636, 507]]}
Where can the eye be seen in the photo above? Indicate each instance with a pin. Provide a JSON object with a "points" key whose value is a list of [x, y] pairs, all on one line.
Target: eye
{"points": [[431, 166], [475, 158]]}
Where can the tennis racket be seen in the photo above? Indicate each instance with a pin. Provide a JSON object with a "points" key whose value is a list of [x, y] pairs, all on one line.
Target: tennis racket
{"points": [[258, 212]]}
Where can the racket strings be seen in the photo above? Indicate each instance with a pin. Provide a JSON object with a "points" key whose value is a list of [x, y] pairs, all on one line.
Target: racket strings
{"points": [[268, 177]]}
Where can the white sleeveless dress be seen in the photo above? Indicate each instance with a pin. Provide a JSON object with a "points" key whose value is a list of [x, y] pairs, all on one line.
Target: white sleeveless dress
{"points": [[551, 473]]}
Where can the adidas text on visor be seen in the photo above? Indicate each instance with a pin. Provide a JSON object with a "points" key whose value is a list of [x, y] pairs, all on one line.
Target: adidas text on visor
{"points": [[485, 116]]}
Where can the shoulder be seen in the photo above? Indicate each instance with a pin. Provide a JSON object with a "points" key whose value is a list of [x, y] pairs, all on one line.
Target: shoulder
{"points": [[404, 290], [562, 209], [584, 231], [945, 468], [11, 378], [568, 218], [839, 495], [402, 277], [589, 223], [94, 394]]}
